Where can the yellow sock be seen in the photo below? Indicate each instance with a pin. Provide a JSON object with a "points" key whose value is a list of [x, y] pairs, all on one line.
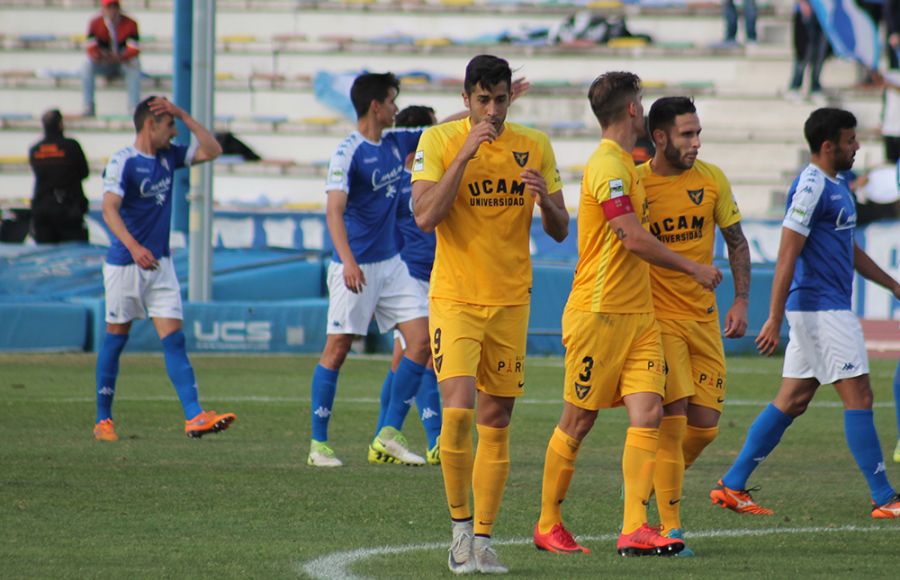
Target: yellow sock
{"points": [[638, 461], [559, 465], [457, 459], [489, 475], [695, 441], [668, 478]]}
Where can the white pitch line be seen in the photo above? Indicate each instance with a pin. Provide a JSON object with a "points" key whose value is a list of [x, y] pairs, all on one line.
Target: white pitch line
{"points": [[336, 566]]}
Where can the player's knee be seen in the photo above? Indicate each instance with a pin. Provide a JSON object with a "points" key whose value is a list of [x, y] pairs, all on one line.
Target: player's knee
{"points": [[335, 352]]}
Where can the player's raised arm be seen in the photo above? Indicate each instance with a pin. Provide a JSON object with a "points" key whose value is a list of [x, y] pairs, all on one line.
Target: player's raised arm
{"points": [[208, 148], [432, 200]]}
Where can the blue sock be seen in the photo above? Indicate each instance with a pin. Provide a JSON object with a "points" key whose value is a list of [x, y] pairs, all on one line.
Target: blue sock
{"points": [[324, 386], [107, 372], [428, 401], [403, 392], [859, 428], [762, 437], [897, 397], [181, 373], [385, 400]]}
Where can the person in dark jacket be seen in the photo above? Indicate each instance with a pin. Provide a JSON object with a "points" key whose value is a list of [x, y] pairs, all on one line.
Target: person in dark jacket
{"points": [[59, 167]]}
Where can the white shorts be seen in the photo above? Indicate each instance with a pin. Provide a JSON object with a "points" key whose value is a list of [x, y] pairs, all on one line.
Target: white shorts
{"points": [[826, 345], [423, 284], [390, 293], [133, 293]]}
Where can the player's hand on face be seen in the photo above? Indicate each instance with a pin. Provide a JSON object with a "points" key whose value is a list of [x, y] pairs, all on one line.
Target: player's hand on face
{"points": [[480, 133], [736, 320], [354, 278], [707, 276], [537, 185], [144, 258], [768, 337]]}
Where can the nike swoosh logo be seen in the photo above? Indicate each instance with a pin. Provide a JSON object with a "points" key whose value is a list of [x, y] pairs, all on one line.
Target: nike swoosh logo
{"points": [[720, 399], [453, 507], [481, 523], [674, 501]]}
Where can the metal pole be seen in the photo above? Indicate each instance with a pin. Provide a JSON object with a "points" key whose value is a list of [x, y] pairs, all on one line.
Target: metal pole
{"points": [[200, 282], [181, 89]]}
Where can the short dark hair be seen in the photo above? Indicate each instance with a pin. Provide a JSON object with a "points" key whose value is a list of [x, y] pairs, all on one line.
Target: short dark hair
{"points": [[142, 112], [487, 71], [664, 111], [610, 93], [825, 125], [52, 123], [415, 116], [369, 87]]}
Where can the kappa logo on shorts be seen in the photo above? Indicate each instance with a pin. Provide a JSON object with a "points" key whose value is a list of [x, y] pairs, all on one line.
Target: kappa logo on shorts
{"points": [[581, 391], [438, 363], [696, 195], [521, 157]]}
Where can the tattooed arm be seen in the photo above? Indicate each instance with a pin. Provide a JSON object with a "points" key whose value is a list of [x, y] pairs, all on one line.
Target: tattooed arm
{"points": [[739, 259]]}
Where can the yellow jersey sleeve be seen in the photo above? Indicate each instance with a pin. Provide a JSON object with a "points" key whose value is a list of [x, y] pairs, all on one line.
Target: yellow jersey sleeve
{"points": [[609, 278], [428, 163], [726, 210]]}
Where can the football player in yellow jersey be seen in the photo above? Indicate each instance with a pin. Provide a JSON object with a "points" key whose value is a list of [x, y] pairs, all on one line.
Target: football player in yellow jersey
{"points": [[688, 198], [613, 346], [475, 183]]}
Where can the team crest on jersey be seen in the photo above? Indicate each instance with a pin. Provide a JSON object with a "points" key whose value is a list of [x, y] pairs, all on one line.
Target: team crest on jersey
{"points": [[521, 157], [696, 195], [581, 391]]}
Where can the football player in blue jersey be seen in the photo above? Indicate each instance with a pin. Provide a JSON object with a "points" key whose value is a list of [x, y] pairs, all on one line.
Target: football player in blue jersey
{"points": [[812, 287], [417, 251], [138, 275], [366, 276]]}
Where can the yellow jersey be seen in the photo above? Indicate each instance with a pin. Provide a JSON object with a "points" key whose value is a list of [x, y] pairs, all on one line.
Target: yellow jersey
{"points": [[608, 277], [483, 245], [684, 210]]}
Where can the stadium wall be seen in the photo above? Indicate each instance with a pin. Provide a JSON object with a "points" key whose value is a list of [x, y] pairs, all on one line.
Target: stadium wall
{"points": [[275, 301]]}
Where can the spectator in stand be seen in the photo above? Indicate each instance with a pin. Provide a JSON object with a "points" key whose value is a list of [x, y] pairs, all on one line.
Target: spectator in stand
{"points": [[59, 166], [810, 50], [729, 11], [112, 51]]}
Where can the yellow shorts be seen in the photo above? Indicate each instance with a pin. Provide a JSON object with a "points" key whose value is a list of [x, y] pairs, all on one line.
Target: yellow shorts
{"points": [[485, 342], [609, 356], [696, 362]]}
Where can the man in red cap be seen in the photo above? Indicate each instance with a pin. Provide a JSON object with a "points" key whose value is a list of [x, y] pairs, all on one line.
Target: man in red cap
{"points": [[112, 50]]}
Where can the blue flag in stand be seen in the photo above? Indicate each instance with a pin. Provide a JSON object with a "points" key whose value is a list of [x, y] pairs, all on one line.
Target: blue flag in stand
{"points": [[850, 30]]}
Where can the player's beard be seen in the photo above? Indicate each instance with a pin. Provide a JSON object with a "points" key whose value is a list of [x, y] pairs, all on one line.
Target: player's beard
{"points": [[674, 157], [844, 162]]}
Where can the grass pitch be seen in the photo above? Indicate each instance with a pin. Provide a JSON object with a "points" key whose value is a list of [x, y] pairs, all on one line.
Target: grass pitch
{"points": [[243, 504]]}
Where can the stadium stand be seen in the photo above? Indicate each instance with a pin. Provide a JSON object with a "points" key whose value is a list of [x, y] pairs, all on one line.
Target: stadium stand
{"points": [[269, 53]]}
